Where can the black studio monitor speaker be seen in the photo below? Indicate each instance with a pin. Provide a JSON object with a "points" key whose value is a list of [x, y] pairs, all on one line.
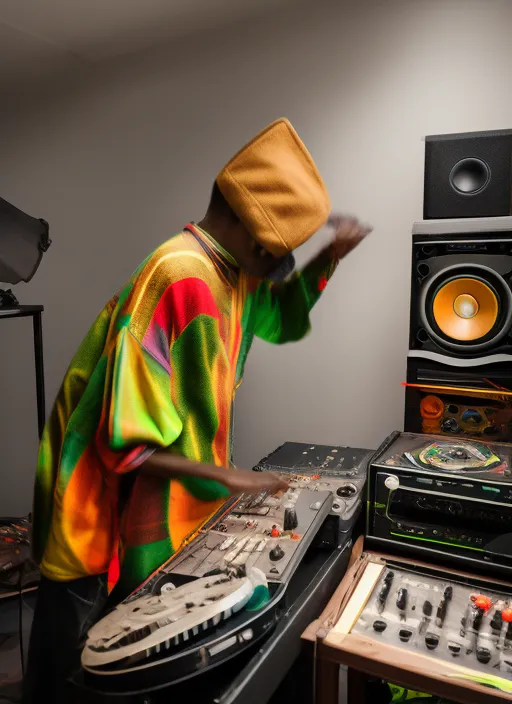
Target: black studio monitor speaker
{"points": [[468, 175]]}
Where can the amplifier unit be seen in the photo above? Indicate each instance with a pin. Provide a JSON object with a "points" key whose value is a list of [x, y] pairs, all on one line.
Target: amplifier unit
{"points": [[451, 497]]}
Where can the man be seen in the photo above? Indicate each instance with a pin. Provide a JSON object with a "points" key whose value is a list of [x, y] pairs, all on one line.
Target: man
{"points": [[135, 455]]}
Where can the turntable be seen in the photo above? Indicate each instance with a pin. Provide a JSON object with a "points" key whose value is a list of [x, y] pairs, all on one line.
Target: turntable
{"points": [[214, 598], [429, 494], [228, 589]]}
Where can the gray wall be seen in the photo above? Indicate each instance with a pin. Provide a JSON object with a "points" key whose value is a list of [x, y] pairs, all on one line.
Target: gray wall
{"points": [[123, 155]]}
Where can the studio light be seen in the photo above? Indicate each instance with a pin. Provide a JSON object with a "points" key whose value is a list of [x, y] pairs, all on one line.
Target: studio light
{"points": [[23, 241]]}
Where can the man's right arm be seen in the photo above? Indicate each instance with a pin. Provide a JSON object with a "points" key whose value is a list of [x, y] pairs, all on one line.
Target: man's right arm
{"points": [[237, 481]]}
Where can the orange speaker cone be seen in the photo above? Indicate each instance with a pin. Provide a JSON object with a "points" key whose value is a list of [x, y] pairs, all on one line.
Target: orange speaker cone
{"points": [[465, 309]]}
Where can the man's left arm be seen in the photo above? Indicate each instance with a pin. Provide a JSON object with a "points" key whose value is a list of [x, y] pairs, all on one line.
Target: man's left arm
{"points": [[282, 309]]}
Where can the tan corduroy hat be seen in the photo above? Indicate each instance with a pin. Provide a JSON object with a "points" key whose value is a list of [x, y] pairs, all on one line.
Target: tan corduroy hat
{"points": [[274, 187]]}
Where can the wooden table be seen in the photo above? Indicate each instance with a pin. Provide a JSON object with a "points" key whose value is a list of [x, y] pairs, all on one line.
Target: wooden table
{"points": [[366, 657]]}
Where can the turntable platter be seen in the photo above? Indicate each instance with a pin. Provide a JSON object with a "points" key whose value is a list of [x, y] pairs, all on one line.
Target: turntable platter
{"points": [[455, 456]]}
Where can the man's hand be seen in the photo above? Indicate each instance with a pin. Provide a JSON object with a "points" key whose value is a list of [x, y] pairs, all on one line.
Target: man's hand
{"points": [[240, 481], [348, 232], [237, 481]]}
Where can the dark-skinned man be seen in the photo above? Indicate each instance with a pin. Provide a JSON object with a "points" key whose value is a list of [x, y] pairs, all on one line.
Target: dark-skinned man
{"points": [[136, 454]]}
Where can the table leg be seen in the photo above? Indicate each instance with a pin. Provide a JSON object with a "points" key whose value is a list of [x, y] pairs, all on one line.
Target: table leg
{"points": [[38, 353], [327, 682], [356, 686]]}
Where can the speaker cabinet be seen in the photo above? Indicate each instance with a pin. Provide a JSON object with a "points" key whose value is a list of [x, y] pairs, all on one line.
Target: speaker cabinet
{"points": [[459, 368], [468, 175]]}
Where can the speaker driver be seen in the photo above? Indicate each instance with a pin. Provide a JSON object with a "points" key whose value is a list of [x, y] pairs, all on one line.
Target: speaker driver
{"points": [[470, 176], [465, 309]]}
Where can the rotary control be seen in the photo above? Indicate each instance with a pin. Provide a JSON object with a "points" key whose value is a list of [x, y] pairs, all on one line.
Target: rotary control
{"points": [[346, 490], [379, 626], [276, 553], [290, 519], [338, 506], [392, 482]]}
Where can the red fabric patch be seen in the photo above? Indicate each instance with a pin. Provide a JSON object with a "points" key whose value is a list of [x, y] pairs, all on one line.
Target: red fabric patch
{"points": [[183, 301], [322, 283], [146, 521], [113, 573]]}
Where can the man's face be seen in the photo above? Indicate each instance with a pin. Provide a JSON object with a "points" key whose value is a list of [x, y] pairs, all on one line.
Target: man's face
{"points": [[255, 259]]}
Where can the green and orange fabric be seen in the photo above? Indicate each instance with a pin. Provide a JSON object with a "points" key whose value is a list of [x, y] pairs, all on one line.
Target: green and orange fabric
{"points": [[158, 369]]}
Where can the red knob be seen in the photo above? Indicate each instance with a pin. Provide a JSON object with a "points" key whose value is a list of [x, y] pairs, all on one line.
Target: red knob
{"points": [[483, 602]]}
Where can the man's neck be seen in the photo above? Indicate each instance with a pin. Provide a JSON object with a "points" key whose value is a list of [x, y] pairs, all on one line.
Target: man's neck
{"points": [[218, 230]]}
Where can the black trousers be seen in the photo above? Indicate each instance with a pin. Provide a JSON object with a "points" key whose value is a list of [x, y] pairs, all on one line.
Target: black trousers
{"points": [[64, 613]]}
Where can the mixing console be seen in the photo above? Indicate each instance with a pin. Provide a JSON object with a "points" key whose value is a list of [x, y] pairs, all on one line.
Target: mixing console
{"points": [[267, 532], [340, 470]]}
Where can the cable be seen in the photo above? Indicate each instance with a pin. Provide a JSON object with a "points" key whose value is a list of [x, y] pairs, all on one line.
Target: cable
{"points": [[20, 621]]}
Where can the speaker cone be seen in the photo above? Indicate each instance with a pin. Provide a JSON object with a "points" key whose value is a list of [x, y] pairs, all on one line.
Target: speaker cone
{"points": [[467, 307], [470, 176]]}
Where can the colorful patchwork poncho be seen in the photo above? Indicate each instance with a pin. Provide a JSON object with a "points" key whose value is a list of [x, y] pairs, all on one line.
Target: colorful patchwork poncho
{"points": [[157, 370]]}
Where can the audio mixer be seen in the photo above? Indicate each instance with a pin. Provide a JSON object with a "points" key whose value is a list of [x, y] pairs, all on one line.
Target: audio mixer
{"points": [[340, 470], [265, 532]]}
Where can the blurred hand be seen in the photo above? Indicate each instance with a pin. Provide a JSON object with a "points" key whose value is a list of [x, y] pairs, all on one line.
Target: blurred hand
{"points": [[348, 233], [240, 481]]}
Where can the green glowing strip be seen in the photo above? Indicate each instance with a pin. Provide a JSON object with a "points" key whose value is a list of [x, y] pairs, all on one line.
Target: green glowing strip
{"points": [[440, 542], [490, 680]]}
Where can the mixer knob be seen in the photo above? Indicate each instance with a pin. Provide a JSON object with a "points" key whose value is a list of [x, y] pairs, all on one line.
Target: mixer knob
{"points": [[338, 506], [276, 553], [346, 490], [391, 482], [379, 626], [290, 519]]}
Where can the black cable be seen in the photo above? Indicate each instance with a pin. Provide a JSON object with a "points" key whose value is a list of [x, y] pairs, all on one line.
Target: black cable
{"points": [[20, 622]]}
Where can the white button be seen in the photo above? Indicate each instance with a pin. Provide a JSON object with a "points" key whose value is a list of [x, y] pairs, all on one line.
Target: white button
{"points": [[392, 483]]}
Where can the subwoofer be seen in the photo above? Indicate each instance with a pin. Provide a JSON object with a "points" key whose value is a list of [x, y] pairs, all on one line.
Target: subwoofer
{"points": [[468, 175], [459, 368]]}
